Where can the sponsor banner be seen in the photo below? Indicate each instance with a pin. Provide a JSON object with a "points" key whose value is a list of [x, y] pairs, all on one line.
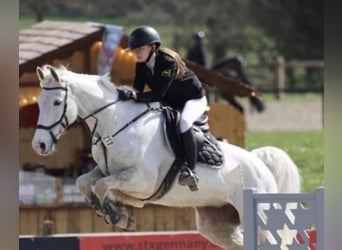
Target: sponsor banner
{"points": [[153, 241]]}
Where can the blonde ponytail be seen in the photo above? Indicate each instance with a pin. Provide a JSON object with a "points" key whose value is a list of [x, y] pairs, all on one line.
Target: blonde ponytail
{"points": [[180, 63]]}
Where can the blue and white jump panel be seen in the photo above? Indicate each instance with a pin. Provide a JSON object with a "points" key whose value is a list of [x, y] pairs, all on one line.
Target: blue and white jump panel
{"points": [[301, 213]]}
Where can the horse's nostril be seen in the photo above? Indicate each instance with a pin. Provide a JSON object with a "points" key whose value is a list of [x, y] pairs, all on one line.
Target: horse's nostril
{"points": [[42, 146]]}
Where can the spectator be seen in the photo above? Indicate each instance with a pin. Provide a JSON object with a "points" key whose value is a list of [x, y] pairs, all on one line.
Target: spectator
{"points": [[197, 52]]}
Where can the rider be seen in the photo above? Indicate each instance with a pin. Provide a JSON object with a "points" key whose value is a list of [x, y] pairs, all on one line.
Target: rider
{"points": [[171, 83]]}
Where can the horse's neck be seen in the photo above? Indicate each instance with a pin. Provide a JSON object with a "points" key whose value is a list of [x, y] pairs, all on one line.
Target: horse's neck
{"points": [[92, 97], [125, 112]]}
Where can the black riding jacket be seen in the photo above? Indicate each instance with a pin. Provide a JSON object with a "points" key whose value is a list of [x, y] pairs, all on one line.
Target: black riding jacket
{"points": [[164, 85]]}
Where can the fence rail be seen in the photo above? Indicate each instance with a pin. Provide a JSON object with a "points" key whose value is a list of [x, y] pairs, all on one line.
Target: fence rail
{"points": [[275, 77]]}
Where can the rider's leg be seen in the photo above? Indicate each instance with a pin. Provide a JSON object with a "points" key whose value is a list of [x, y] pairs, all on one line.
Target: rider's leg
{"points": [[192, 110], [188, 175]]}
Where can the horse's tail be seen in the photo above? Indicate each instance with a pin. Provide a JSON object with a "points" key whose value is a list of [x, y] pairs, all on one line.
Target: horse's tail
{"points": [[283, 168], [287, 177]]}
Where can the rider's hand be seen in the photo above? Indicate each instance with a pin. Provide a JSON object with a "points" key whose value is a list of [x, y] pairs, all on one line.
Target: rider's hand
{"points": [[125, 95]]}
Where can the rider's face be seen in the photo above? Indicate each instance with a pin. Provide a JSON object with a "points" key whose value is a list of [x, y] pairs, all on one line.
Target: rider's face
{"points": [[142, 52]]}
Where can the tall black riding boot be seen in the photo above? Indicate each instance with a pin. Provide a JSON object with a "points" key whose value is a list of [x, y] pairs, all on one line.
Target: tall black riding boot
{"points": [[187, 175]]}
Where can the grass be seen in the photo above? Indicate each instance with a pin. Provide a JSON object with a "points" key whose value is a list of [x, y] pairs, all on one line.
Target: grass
{"points": [[305, 149]]}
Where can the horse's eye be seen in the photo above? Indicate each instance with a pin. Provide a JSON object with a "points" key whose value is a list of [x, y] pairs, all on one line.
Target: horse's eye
{"points": [[57, 102]]}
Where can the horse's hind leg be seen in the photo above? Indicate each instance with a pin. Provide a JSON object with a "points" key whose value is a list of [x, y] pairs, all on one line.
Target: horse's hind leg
{"points": [[220, 226]]}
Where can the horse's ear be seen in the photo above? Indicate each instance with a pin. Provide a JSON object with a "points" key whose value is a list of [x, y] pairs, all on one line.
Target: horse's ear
{"points": [[54, 73], [40, 73]]}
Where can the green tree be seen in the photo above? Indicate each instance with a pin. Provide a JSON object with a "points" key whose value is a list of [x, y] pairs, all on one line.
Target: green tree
{"points": [[259, 29], [296, 26]]}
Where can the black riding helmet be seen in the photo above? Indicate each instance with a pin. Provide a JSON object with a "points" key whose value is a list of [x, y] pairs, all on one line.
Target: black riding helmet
{"points": [[143, 35]]}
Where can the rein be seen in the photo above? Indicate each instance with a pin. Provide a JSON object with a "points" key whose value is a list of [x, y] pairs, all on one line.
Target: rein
{"points": [[149, 109], [107, 140], [93, 115], [66, 126], [98, 110]]}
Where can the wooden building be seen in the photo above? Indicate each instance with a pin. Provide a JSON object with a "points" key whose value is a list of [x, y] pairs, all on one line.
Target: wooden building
{"points": [[76, 45]]}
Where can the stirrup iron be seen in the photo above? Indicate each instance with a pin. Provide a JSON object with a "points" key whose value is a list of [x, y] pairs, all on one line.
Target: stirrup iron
{"points": [[188, 178]]}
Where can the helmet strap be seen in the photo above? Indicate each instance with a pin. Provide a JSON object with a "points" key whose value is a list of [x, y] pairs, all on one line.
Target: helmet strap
{"points": [[150, 54]]}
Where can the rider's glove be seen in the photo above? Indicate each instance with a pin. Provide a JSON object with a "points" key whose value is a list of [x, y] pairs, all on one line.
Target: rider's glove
{"points": [[125, 95]]}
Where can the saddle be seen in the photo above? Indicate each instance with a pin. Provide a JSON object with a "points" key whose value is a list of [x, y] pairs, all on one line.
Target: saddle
{"points": [[208, 149]]}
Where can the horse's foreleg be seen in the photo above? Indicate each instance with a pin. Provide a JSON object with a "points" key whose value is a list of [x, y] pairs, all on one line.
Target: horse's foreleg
{"points": [[112, 201], [85, 183], [117, 214], [112, 185]]}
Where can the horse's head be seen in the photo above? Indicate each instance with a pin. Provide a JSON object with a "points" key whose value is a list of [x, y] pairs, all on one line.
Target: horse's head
{"points": [[56, 110]]}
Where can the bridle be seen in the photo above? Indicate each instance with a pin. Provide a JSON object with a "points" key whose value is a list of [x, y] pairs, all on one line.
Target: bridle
{"points": [[63, 120]]}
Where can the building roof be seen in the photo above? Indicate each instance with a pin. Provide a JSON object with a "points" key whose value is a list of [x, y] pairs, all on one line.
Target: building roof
{"points": [[48, 40]]}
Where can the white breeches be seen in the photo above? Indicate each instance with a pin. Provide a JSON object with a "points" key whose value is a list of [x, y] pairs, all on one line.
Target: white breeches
{"points": [[192, 110]]}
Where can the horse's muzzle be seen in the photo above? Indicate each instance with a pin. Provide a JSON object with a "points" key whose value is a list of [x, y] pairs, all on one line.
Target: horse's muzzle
{"points": [[42, 146]]}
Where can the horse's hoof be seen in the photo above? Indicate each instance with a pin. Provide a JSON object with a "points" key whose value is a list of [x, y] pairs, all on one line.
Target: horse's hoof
{"points": [[95, 203], [193, 188], [131, 225], [99, 213], [106, 219], [111, 211], [112, 219]]}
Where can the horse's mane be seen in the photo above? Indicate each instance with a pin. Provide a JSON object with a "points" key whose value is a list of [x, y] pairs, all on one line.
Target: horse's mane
{"points": [[104, 80], [71, 77]]}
